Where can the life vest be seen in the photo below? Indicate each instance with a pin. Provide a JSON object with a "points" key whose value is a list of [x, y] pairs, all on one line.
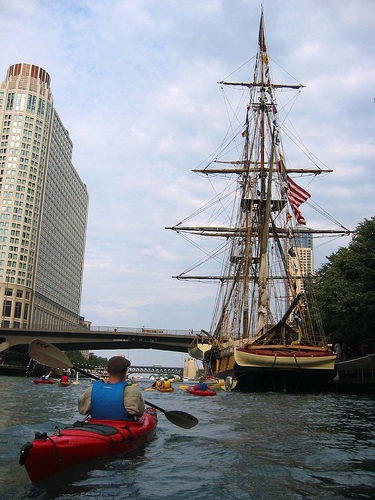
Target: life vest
{"points": [[107, 401], [201, 386], [166, 384], [64, 378]]}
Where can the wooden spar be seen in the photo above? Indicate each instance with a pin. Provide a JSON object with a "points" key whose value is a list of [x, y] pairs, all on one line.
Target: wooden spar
{"points": [[230, 231], [260, 84], [230, 278], [284, 318], [256, 169]]}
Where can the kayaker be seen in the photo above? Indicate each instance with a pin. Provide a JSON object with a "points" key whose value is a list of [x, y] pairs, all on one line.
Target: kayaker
{"points": [[166, 384], [45, 376], [114, 399], [64, 377], [157, 384], [201, 385]]}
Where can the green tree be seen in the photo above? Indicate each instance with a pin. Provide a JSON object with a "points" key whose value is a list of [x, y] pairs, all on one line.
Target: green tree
{"points": [[77, 358], [345, 288]]}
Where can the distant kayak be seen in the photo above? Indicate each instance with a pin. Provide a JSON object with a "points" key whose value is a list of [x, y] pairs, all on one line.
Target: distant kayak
{"points": [[214, 381], [44, 381], [168, 389], [197, 392], [64, 384], [49, 454]]}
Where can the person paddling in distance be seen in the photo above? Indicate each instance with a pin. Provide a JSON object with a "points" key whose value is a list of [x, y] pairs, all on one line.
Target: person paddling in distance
{"points": [[166, 384], [157, 384], [64, 377], [45, 376], [114, 399], [201, 385]]}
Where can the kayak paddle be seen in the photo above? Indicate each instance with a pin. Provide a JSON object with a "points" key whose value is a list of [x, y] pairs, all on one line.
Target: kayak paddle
{"points": [[50, 355]]}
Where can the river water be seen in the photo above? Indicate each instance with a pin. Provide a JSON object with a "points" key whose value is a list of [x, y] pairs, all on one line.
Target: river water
{"points": [[246, 446]]}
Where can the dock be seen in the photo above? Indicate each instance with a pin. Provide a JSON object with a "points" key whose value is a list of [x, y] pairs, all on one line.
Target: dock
{"points": [[357, 374]]}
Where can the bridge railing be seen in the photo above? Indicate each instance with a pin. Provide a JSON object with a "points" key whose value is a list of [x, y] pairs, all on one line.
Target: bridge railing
{"points": [[126, 329], [106, 329]]}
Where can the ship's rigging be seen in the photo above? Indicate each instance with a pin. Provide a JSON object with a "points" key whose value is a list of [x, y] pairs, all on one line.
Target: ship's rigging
{"points": [[264, 297]]}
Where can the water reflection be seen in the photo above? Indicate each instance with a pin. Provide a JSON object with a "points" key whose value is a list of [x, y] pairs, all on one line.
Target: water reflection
{"points": [[246, 446]]}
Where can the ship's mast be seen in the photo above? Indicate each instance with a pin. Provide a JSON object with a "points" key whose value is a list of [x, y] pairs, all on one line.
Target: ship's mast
{"points": [[266, 186], [248, 240], [264, 215]]}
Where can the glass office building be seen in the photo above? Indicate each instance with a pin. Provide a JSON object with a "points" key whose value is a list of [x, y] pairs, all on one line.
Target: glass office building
{"points": [[44, 206]]}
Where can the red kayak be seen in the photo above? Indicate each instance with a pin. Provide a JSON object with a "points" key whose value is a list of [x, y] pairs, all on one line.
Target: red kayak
{"points": [[83, 441], [44, 381], [64, 384], [197, 392]]}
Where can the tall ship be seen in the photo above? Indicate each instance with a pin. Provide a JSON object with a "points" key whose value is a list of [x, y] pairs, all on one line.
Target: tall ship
{"points": [[266, 332]]}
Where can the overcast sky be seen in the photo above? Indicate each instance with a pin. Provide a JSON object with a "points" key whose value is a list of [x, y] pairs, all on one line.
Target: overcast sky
{"points": [[135, 84]]}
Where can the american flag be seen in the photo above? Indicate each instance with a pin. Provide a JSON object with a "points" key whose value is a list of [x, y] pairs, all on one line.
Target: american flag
{"points": [[296, 194]]}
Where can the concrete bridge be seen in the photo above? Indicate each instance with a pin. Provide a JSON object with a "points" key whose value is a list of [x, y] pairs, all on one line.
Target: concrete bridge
{"points": [[99, 338]]}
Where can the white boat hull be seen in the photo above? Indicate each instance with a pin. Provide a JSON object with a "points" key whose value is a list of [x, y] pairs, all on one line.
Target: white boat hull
{"points": [[285, 358]]}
